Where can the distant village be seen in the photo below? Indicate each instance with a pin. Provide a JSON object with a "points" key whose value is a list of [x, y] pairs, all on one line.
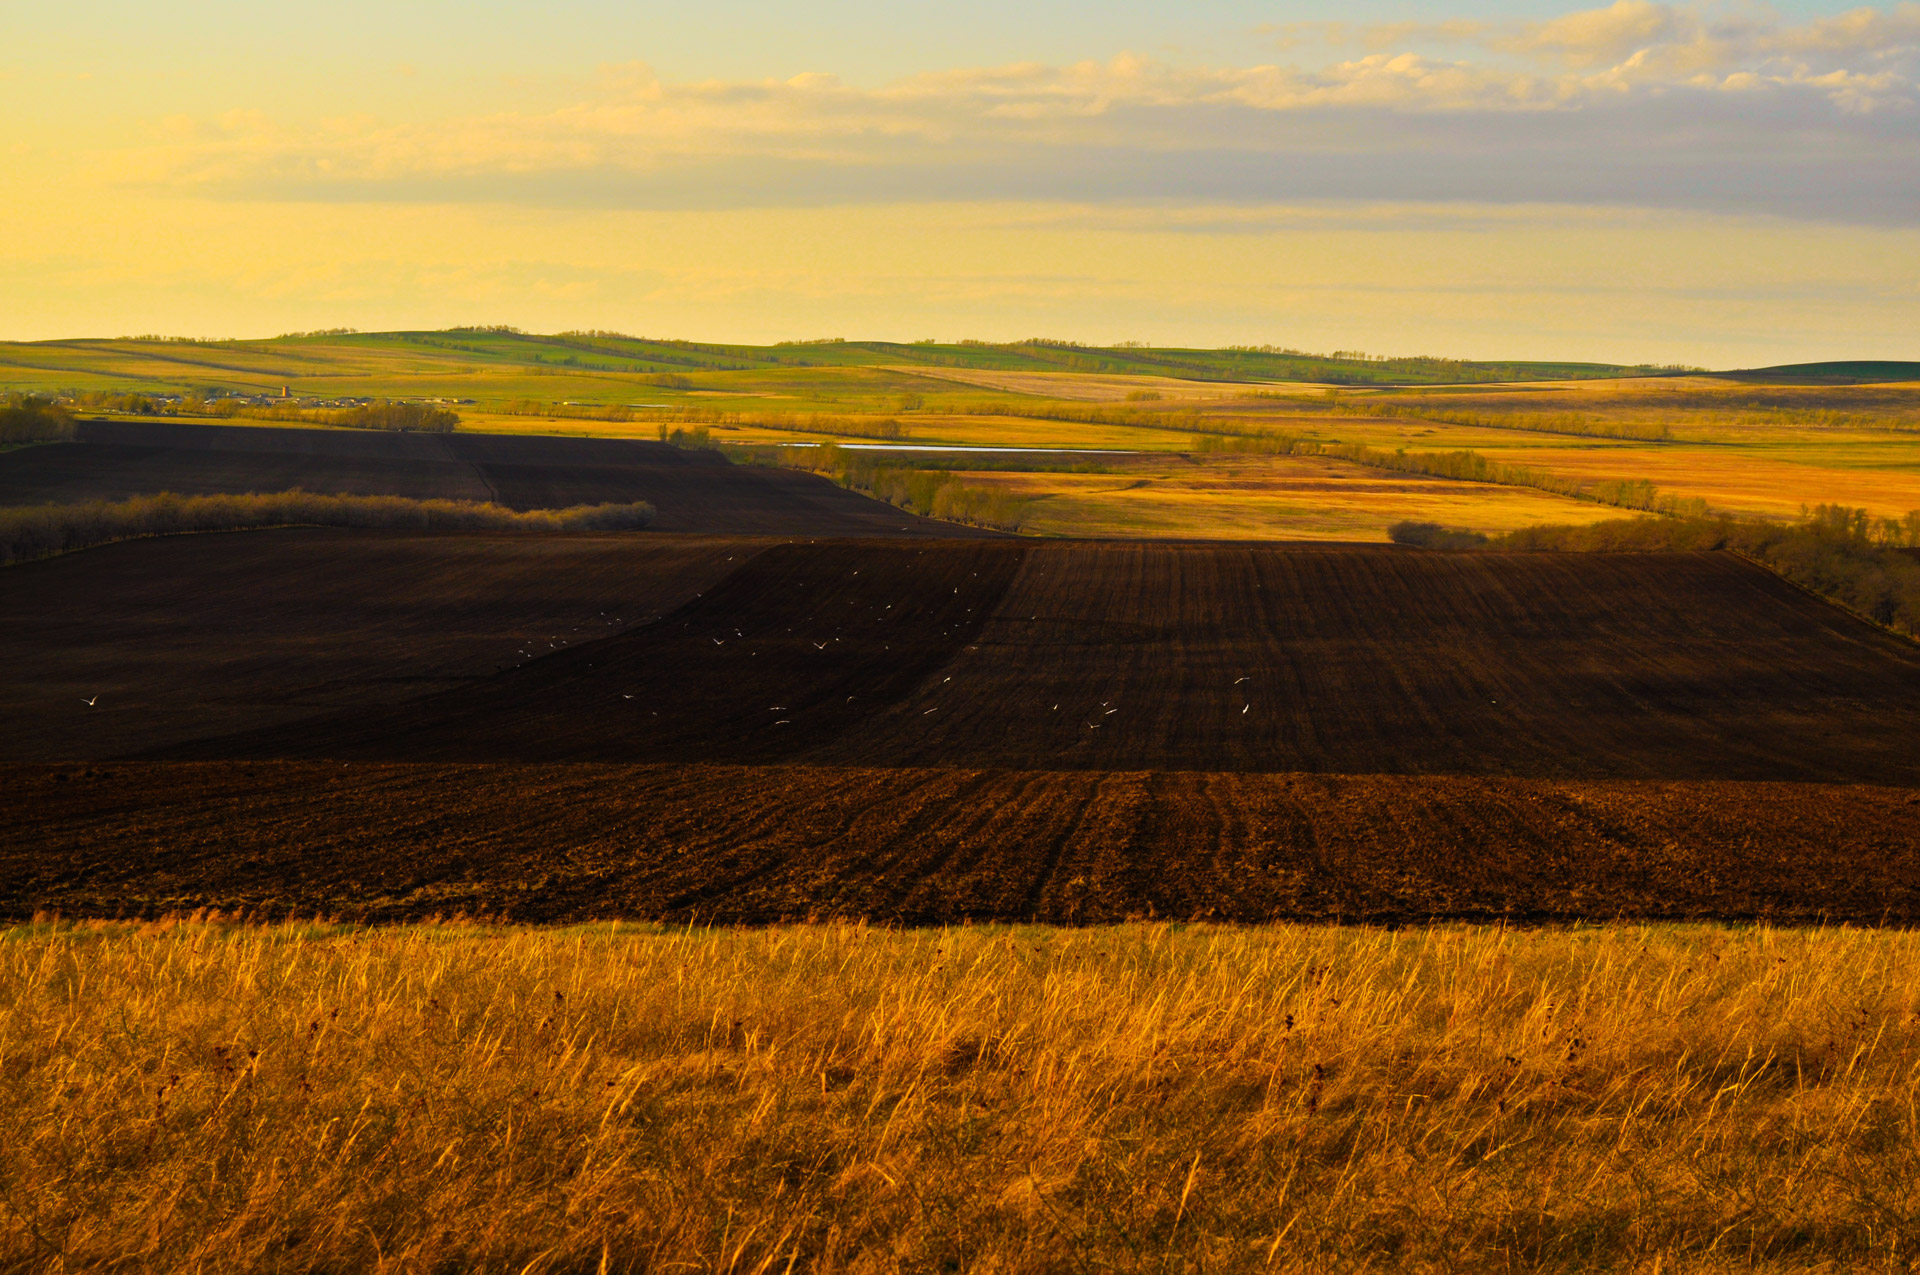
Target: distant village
{"points": [[217, 402]]}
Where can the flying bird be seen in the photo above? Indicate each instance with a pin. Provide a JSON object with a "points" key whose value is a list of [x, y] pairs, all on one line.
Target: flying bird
{"points": [[89, 703]]}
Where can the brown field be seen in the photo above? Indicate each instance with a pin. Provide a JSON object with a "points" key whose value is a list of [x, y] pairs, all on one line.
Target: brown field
{"points": [[1200, 657], [186, 637], [759, 844], [690, 491], [866, 728]]}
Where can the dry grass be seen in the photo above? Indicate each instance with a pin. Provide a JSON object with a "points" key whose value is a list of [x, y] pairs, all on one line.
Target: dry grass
{"points": [[1741, 482], [202, 1095], [1254, 497]]}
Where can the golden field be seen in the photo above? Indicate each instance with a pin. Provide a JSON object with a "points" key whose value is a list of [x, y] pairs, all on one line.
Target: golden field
{"points": [[1255, 497], [198, 1095], [1748, 481]]}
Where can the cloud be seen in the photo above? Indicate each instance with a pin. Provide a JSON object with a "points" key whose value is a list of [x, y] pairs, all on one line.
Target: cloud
{"points": [[1637, 102], [1594, 37]]}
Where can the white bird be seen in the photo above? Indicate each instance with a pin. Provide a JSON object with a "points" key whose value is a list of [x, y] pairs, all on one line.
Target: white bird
{"points": [[819, 646], [89, 703], [1244, 708], [1238, 680], [718, 642], [626, 697]]}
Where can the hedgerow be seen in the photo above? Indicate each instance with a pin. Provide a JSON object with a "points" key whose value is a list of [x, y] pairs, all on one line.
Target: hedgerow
{"points": [[39, 531]]}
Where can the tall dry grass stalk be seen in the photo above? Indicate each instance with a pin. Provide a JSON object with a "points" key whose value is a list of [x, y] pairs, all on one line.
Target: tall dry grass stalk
{"points": [[203, 1096]]}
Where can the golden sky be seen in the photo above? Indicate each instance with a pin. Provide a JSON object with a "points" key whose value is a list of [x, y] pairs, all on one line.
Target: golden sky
{"points": [[1639, 182]]}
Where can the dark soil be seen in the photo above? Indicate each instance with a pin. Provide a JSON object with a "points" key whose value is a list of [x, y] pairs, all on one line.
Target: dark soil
{"points": [[1205, 658], [866, 728], [187, 637], [690, 491], [765, 843]]}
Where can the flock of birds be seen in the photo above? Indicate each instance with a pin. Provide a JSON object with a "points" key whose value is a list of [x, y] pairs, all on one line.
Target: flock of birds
{"points": [[1106, 708]]}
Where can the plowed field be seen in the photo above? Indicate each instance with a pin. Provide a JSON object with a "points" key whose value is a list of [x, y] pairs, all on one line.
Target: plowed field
{"points": [[868, 727], [187, 637], [762, 843], [690, 491], [1207, 658]]}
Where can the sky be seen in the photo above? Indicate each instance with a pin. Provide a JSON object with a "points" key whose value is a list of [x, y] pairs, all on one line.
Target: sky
{"points": [[1718, 185]]}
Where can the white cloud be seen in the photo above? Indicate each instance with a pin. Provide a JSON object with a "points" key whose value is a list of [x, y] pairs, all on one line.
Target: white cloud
{"points": [[1635, 102], [1594, 37]]}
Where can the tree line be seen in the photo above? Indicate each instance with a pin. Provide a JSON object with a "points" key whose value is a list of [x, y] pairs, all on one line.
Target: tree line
{"points": [[1466, 466], [932, 493], [25, 418], [1538, 423]]}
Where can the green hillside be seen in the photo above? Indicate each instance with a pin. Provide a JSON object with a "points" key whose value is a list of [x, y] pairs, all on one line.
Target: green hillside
{"points": [[499, 363], [1843, 373]]}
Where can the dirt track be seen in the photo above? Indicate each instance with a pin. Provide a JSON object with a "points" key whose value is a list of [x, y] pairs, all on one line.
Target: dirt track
{"points": [[757, 844], [690, 491]]}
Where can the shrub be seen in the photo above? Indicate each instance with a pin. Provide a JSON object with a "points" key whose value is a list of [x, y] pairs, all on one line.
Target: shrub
{"points": [[932, 493], [404, 417], [696, 439], [40, 531], [26, 419]]}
